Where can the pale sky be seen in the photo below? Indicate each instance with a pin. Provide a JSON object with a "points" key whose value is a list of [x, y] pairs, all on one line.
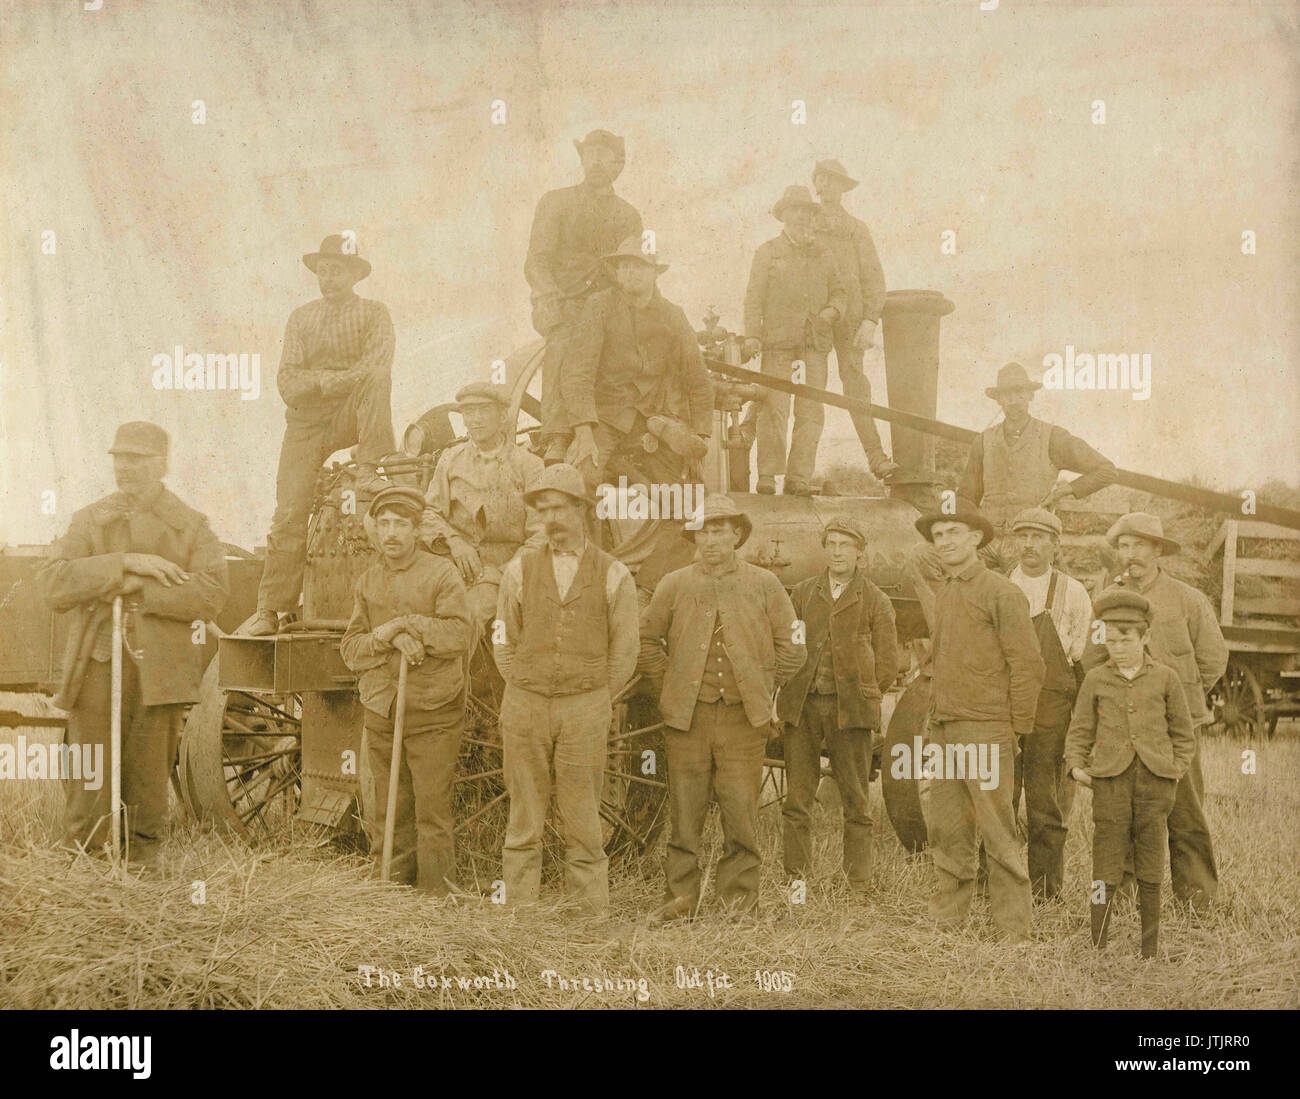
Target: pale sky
{"points": [[375, 117]]}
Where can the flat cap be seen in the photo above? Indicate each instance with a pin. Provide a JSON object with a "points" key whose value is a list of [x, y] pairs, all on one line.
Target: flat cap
{"points": [[140, 437], [631, 249], [409, 501], [560, 477], [845, 526], [1037, 519], [483, 393], [1122, 605], [1142, 524], [719, 505]]}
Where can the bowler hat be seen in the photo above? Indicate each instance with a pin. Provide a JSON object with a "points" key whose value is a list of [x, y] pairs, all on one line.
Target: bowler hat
{"points": [[719, 505], [140, 437], [403, 498], [1037, 519], [1122, 605], [963, 512], [482, 393], [610, 141], [1012, 376], [1143, 525], [835, 168], [560, 477], [845, 526], [794, 196], [631, 249], [332, 247]]}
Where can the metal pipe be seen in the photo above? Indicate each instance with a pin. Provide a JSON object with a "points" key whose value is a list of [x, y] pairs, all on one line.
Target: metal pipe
{"points": [[115, 731], [1157, 486], [394, 770]]}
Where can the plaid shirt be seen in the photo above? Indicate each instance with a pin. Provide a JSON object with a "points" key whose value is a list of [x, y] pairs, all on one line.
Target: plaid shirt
{"points": [[329, 345]]}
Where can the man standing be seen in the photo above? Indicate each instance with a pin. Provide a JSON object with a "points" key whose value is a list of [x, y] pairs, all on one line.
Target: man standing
{"points": [[794, 299], [475, 501], [335, 377], [1186, 636], [634, 368], [573, 229], [731, 640], [568, 645], [411, 605], [834, 699], [1015, 463], [854, 333], [986, 677], [1062, 616], [143, 544]]}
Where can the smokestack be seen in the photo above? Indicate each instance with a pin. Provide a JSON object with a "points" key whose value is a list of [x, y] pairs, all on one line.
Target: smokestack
{"points": [[910, 321]]}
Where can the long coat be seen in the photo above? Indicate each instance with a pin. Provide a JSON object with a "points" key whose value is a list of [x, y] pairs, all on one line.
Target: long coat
{"points": [[859, 627], [84, 570]]}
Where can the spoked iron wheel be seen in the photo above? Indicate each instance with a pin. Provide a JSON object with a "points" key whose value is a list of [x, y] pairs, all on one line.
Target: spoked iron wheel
{"points": [[1237, 702], [241, 758], [634, 804]]}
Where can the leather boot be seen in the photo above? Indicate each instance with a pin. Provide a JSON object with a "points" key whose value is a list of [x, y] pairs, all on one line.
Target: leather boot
{"points": [[1101, 915], [1149, 909]]}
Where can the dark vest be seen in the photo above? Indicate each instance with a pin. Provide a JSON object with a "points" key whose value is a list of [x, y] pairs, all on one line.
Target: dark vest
{"points": [[565, 644], [1016, 476], [1056, 698]]}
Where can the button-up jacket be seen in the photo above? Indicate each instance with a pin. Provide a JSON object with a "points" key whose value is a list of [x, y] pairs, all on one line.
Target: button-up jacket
{"points": [[984, 661], [859, 628], [859, 265], [1116, 718], [478, 496], [573, 229], [426, 592], [330, 345], [789, 285], [624, 360], [759, 630], [84, 570]]}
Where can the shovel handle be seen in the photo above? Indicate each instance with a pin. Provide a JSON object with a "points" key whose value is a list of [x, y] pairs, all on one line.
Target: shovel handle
{"points": [[394, 770]]}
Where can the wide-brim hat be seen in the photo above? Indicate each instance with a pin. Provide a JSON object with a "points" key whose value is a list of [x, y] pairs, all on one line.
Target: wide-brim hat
{"points": [[794, 196], [612, 142], [332, 247], [1011, 377], [721, 506], [963, 512], [1037, 519], [560, 477], [1122, 605], [402, 497], [482, 393], [1143, 525], [835, 168], [631, 249], [140, 437]]}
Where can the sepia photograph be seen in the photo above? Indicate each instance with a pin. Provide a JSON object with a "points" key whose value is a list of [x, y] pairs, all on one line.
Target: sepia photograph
{"points": [[552, 505]]}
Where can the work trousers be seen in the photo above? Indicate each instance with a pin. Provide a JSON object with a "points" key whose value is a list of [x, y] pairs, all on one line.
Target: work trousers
{"points": [[1049, 795], [424, 842], [774, 413], [720, 757], [1130, 812], [850, 752], [662, 466], [958, 808], [555, 417], [567, 737], [1191, 851], [312, 432], [854, 383], [150, 736]]}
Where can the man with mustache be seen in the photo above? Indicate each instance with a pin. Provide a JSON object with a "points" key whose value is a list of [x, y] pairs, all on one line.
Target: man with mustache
{"points": [[335, 378], [574, 228], [143, 544], [794, 299], [565, 642], [411, 604]]}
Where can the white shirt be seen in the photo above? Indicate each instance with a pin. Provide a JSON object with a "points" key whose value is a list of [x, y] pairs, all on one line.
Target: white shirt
{"points": [[837, 586], [1072, 615]]}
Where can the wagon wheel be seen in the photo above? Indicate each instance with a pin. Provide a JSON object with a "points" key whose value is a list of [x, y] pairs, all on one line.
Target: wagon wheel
{"points": [[241, 758], [1237, 702], [903, 795]]}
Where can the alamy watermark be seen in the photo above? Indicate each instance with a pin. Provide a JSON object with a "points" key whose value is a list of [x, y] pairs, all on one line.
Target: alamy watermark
{"points": [[76, 762], [656, 501], [215, 371], [946, 761], [1083, 370]]}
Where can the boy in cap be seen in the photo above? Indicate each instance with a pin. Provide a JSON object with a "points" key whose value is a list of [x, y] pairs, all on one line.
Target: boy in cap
{"points": [[794, 299], [411, 604], [833, 701], [573, 229], [474, 504], [143, 544], [1130, 740]]}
